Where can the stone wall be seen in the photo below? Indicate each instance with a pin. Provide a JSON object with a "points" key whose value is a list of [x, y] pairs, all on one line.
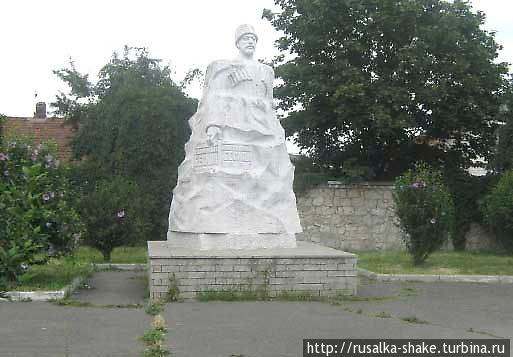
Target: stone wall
{"points": [[362, 217], [350, 217], [478, 238]]}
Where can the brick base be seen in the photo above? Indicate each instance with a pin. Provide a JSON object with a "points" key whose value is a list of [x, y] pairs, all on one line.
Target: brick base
{"points": [[309, 268]]}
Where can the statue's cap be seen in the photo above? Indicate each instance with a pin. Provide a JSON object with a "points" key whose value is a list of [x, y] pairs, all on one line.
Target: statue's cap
{"points": [[244, 29]]}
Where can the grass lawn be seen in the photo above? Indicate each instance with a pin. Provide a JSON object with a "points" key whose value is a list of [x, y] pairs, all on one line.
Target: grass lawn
{"points": [[121, 255], [58, 273], [394, 262], [54, 275]]}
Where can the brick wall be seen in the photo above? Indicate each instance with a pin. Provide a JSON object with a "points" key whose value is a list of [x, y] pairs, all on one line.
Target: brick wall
{"points": [[41, 130]]}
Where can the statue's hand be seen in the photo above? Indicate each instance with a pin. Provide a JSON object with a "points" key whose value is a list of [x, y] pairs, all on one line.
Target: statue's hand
{"points": [[214, 134]]}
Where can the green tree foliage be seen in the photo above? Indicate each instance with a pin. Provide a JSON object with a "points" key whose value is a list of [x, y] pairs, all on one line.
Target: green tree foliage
{"points": [[386, 83], [2, 121], [466, 191], [497, 209], [113, 216], [425, 210], [503, 159], [131, 123]]}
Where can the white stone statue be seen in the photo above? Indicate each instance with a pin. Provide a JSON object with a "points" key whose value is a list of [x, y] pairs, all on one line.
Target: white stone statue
{"points": [[234, 187]]}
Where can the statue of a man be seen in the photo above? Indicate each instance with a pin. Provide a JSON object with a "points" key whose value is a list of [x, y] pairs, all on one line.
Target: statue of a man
{"points": [[234, 187]]}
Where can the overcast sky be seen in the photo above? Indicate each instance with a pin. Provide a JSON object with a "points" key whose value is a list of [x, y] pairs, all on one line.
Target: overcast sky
{"points": [[40, 36]]}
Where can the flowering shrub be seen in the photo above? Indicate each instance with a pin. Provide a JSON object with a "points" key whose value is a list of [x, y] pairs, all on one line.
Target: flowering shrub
{"points": [[37, 215], [425, 210], [497, 208], [113, 215]]}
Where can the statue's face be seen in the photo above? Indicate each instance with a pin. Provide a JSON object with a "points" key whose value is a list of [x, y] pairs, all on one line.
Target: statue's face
{"points": [[247, 44]]}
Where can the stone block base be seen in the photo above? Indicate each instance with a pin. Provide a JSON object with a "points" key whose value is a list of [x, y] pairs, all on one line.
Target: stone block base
{"points": [[308, 268], [208, 241]]}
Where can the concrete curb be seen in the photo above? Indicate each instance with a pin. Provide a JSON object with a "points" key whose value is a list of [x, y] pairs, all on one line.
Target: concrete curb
{"points": [[495, 279], [121, 266], [44, 295]]}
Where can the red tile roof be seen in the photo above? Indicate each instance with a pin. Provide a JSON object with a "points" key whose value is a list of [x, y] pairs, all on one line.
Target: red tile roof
{"points": [[42, 130]]}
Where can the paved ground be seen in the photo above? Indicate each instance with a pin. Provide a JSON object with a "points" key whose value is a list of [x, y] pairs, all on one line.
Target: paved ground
{"points": [[251, 329], [114, 288]]}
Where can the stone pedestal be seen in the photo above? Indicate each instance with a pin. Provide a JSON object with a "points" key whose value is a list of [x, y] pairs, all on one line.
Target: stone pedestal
{"points": [[307, 268], [208, 241]]}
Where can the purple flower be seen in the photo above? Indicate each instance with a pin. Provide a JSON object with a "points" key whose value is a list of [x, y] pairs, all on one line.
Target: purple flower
{"points": [[121, 214], [418, 184], [432, 221], [3, 157], [46, 197]]}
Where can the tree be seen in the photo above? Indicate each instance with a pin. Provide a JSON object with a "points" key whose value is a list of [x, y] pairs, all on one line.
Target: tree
{"points": [[131, 123], [118, 220], [2, 122], [497, 209], [382, 84], [503, 158]]}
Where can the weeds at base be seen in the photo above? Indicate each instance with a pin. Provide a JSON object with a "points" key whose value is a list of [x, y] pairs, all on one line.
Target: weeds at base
{"points": [[485, 333], [78, 303], [414, 320], [383, 315]]}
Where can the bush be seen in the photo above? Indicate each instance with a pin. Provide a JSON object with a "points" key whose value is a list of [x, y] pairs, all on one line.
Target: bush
{"points": [[113, 215], [425, 210], [37, 215], [497, 208], [466, 191]]}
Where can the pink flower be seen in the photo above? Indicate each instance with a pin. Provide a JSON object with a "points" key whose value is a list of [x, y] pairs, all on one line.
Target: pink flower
{"points": [[46, 197], [418, 184]]}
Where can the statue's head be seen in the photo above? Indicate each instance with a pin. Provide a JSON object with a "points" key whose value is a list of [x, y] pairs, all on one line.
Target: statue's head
{"points": [[246, 39]]}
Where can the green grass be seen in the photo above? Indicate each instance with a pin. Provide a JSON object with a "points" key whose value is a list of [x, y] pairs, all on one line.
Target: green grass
{"points": [[120, 255], [54, 275], [383, 315], [58, 273], [78, 303], [466, 263], [227, 295]]}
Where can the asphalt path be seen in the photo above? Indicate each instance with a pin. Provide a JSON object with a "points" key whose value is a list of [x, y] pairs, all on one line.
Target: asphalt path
{"points": [[112, 324]]}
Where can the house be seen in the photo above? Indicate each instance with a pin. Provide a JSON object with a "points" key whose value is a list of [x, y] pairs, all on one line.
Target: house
{"points": [[41, 129]]}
